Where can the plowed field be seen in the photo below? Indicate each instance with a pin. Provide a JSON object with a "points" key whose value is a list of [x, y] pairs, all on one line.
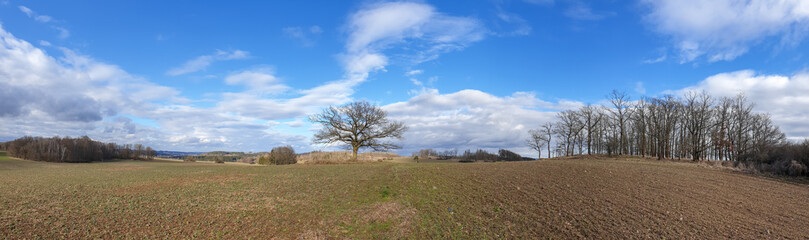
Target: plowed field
{"points": [[595, 199]]}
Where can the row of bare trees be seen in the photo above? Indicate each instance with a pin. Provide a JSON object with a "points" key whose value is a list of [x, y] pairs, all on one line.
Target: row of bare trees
{"points": [[695, 126], [68, 149]]}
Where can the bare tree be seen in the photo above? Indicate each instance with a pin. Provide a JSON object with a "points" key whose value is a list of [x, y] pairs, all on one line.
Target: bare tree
{"points": [[568, 128], [591, 116], [547, 132], [536, 141], [150, 153], [357, 124], [620, 112], [697, 117]]}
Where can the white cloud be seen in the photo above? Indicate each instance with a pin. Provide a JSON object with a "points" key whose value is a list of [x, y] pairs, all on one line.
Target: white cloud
{"points": [[656, 60], [782, 96], [639, 88], [75, 95], [260, 81], [300, 34], [46, 96], [471, 119], [296, 123], [722, 30], [72, 88], [414, 72], [520, 26], [315, 29], [27, 11], [39, 18], [202, 62], [378, 27], [254, 102], [63, 32], [580, 11], [539, 2]]}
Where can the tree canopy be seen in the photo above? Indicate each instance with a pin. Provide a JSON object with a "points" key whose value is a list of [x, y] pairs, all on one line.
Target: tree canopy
{"points": [[358, 125]]}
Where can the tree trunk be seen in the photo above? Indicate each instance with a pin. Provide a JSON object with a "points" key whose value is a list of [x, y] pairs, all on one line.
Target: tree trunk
{"points": [[354, 153]]}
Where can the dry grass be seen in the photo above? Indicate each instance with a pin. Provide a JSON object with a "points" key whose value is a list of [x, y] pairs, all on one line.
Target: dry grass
{"points": [[344, 157], [597, 198]]}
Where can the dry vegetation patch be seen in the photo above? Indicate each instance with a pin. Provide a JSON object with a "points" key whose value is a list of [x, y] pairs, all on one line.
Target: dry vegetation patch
{"points": [[344, 157]]}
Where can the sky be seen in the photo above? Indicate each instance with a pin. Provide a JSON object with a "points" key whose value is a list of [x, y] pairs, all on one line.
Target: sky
{"points": [[244, 76]]}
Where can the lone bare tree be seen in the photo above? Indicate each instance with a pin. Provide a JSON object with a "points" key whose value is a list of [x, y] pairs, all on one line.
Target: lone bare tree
{"points": [[357, 124]]}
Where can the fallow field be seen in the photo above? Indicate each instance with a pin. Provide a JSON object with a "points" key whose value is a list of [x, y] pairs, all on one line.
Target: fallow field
{"points": [[595, 198]]}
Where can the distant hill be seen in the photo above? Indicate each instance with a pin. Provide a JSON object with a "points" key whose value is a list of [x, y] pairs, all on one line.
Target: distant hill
{"points": [[222, 153], [176, 154]]}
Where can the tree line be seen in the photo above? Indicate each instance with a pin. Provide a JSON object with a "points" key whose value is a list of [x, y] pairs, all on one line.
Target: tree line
{"points": [[469, 155], [73, 150], [696, 126]]}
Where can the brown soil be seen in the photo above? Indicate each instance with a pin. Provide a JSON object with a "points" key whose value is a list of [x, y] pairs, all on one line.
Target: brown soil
{"points": [[618, 199], [596, 198]]}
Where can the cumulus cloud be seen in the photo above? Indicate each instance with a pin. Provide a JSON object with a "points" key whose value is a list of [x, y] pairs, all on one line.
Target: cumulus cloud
{"points": [[372, 30], [71, 88], [378, 27], [722, 30], [75, 95], [471, 119], [260, 80], [202, 62], [782, 96]]}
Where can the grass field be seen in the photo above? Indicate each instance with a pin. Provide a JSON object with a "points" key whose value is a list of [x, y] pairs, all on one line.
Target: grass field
{"points": [[540, 199]]}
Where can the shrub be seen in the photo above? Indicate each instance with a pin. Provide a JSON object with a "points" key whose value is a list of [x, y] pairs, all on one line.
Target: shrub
{"points": [[264, 160], [796, 168], [189, 159], [219, 159], [248, 160], [789, 167], [283, 155]]}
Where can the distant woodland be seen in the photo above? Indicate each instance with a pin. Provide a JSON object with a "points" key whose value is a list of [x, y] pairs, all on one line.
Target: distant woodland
{"points": [[73, 150], [696, 126]]}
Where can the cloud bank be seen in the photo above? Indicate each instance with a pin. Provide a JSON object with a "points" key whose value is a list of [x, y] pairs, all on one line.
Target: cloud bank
{"points": [[784, 97], [722, 30]]}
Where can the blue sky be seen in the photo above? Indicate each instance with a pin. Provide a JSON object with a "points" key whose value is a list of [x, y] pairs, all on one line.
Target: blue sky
{"points": [[203, 76]]}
